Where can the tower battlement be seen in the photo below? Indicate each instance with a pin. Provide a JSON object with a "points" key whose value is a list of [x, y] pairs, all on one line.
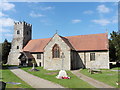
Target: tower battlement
{"points": [[24, 23]]}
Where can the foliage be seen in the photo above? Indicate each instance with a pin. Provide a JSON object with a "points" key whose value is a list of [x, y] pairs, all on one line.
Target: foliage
{"points": [[114, 46], [0, 53], [5, 49], [74, 82], [107, 76]]}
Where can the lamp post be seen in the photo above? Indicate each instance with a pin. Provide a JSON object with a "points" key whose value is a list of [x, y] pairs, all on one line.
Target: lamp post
{"points": [[62, 56]]}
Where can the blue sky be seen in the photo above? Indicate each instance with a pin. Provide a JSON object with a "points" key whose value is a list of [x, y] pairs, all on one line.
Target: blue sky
{"points": [[68, 18]]}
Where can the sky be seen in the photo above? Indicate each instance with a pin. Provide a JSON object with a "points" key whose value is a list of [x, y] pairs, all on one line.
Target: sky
{"points": [[67, 18]]}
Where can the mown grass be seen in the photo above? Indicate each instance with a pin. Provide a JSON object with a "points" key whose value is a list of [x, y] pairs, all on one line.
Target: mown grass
{"points": [[8, 76], [115, 68], [107, 76], [74, 82]]}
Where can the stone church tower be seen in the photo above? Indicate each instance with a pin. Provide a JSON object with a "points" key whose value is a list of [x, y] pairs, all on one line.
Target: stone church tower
{"points": [[22, 34]]}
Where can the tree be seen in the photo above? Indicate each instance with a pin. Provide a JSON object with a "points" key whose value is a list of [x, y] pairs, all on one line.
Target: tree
{"points": [[6, 46], [0, 53], [112, 51], [114, 46]]}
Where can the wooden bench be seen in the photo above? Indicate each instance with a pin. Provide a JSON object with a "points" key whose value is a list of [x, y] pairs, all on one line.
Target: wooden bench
{"points": [[92, 71]]}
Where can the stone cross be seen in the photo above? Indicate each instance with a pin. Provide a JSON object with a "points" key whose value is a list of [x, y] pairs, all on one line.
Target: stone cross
{"points": [[62, 56], [56, 31]]}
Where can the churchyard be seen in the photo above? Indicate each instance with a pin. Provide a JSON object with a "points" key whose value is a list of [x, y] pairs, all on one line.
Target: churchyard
{"points": [[108, 76], [8, 76], [73, 82]]}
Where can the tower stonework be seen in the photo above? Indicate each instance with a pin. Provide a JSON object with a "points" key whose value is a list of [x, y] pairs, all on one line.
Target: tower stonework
{"points": [[22, 34]]}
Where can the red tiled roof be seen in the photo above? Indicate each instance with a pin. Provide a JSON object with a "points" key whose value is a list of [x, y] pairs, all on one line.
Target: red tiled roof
{"points": [[89, 42], [36, 45], [79, 43]]}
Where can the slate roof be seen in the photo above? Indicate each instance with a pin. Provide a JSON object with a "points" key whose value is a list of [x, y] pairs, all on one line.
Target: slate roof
{"points": [[79, 43]]}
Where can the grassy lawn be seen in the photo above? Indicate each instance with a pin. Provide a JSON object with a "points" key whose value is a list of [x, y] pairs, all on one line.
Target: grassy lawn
{"points": [[107, 76], [74, 82], [115, 68], [8, 76]]}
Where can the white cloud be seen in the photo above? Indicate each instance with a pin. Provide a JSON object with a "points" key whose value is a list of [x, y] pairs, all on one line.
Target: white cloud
{"points": [[2, 14], [115, 21], [103, 9], [6, 6], [4, 30], [32, 14], [8, 35], [46, 8], [76, 21], [88, 12], [5, 22], [102, 22]]}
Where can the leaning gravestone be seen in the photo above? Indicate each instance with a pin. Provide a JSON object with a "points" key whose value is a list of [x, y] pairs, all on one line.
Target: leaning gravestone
{"points": [[62, 73]]}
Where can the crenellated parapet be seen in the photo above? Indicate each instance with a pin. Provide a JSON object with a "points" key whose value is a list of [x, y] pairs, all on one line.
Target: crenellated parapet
{"points": [[23, 23]]}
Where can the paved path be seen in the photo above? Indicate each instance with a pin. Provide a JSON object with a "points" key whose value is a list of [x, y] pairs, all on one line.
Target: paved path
{"points": [[115, 70], [32, 80], [91, 81]]}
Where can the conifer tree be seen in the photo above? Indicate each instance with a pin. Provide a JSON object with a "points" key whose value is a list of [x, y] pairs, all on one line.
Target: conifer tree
{"points": [[114, 46], [5, 51]]}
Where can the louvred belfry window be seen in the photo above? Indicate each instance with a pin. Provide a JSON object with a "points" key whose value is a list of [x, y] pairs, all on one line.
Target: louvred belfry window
{"points": [[56, 51]]}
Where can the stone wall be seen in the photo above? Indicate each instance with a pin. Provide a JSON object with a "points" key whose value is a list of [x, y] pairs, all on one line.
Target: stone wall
{"points": [[101, 59], [13, 58], [19, 41], [56, 63], [38, 61], [76, 61]]}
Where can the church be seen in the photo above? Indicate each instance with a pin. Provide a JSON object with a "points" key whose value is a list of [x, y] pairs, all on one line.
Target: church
{"points": [[58, 52]]}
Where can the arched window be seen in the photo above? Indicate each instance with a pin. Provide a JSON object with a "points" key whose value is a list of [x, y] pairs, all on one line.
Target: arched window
{"points": [[56, 51], [18, 32]]}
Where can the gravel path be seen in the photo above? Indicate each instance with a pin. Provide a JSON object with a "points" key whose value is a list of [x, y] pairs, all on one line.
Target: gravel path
{"points": [[116, 70], [91, 81], [32, 80]]}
